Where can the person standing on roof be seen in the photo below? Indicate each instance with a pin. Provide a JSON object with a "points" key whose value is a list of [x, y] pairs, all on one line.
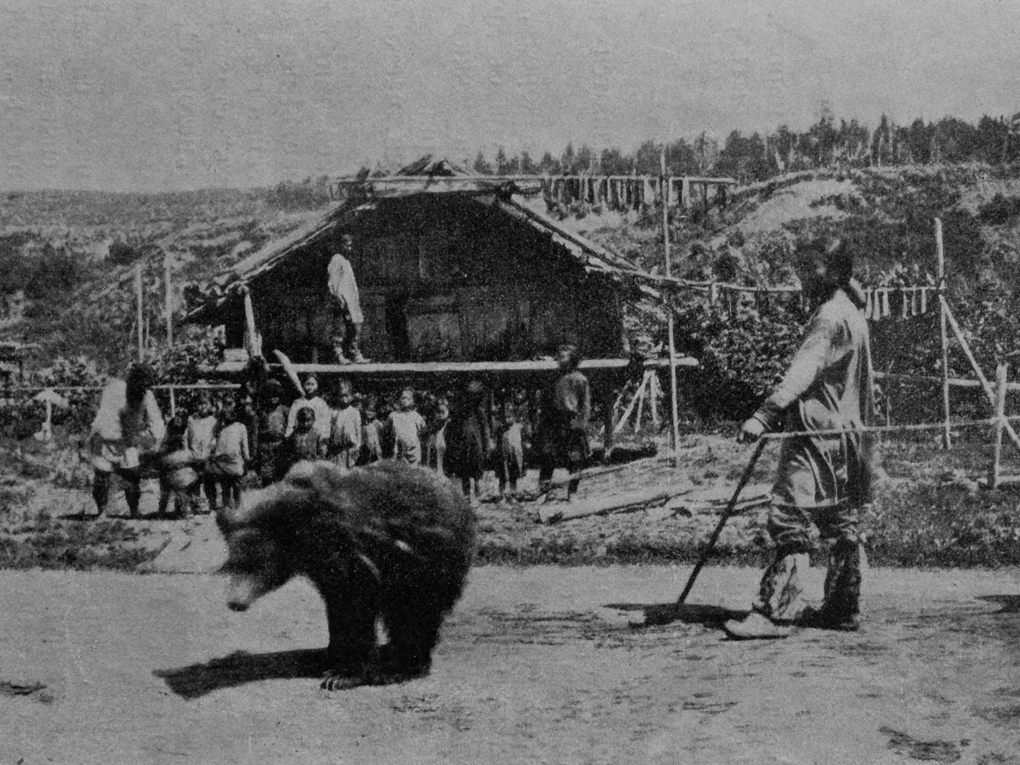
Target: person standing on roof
{"points": [[347, 316]]}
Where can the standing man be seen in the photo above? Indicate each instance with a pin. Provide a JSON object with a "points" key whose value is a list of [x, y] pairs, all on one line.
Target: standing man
{"points": [[127, 429], [821, 480], [347, 316]]}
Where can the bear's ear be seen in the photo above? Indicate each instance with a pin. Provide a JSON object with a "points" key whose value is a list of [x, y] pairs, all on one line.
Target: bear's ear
{"points": [[264, 507], [322, 480]]}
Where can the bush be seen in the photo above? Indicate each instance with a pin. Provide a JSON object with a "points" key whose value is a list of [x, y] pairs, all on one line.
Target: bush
{"points": [[742, 355], [998, 210]]}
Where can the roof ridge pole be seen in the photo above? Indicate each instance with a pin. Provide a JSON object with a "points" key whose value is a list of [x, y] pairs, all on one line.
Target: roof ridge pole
{"points": [[674, 433]]}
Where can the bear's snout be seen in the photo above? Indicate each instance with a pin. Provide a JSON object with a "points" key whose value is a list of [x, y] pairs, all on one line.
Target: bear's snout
{"points": [[241, 593]]}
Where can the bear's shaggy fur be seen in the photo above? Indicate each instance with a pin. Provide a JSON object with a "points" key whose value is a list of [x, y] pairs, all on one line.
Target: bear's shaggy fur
{"points": [[387, 541]]}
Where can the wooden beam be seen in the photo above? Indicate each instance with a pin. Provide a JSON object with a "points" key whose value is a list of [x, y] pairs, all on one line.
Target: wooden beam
{"points": [[955, 382], [617, 367]]}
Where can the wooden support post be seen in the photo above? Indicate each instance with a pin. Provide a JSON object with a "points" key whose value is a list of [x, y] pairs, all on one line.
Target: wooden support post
{"points": [[140, 320], [630, 407], [253, 342], [169, 296], [1000, 414], [642, 395], [653, 395], [608, 417], [674, 432], [943, 311], [985, 385]]}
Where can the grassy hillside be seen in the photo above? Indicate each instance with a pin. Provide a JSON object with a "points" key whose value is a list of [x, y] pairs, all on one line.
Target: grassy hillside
{"points": [[73, 255]]}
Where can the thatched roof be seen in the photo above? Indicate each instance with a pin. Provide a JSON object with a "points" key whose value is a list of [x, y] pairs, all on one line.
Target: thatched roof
{"points": [[427, 176]]}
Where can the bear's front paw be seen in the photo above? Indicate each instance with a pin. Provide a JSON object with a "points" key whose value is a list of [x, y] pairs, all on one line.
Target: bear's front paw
{"points": [[337, 681]]}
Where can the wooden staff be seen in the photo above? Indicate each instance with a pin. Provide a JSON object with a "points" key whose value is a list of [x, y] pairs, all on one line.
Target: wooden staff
{"points": [[726, 515]]}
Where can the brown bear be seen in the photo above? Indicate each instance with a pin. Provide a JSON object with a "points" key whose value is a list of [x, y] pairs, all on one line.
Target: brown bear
{"points": [[388, 541]]}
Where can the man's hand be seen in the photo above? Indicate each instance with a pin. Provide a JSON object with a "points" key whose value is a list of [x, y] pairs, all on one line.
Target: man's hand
{"points": [[750, 431]]}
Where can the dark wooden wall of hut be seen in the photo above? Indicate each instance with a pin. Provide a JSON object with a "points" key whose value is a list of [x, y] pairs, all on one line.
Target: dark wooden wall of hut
{"points": [[443, 278]]}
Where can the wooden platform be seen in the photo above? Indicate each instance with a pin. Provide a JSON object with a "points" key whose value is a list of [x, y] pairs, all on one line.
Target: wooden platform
{"points": [[461, 369]]}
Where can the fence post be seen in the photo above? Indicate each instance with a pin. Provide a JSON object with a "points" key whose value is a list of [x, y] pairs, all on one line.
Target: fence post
{"points": [[946, 438], [1000, 414]]}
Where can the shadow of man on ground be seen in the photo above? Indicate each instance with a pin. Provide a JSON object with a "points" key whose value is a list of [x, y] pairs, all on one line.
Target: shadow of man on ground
{"points": [[689, 613]]}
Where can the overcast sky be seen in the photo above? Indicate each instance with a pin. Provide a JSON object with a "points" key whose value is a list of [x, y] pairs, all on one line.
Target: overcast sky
{"points": [[119, 95]]}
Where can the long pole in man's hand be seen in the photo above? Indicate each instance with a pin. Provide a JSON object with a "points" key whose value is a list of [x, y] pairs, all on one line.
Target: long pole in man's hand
{"points": [[727, 513]]}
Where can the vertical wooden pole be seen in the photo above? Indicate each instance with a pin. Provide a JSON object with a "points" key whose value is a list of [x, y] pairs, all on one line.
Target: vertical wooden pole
{"points": [[141, 319], [608, 419], [643, 392], [946, 437], [169, 302], [169, 309], [1000, 414], [653, 395], [674, 433]]}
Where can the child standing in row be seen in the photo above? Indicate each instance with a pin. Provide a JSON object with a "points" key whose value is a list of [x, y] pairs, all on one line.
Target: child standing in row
{"points": [[272, 431], [177, 474], [345, 435], [435, 436], [469, 439], [312, 399], [305, 443], [403, 430], [513, 435], [199, 440], [230, 456], [371, 435]]}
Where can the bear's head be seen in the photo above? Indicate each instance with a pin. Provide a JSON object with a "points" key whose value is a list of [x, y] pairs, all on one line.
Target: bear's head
{"points": [[255, 532]]}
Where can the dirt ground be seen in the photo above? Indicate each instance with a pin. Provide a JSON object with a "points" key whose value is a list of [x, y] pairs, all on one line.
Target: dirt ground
{"points": [[537, 664]]}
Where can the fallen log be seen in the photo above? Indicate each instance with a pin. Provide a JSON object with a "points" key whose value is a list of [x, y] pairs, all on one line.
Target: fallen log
{"points": [[674, 498], [554, 513]]}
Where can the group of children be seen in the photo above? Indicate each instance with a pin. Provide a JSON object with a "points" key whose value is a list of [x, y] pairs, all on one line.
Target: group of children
{"points": [[463, 437], [208, 451]]}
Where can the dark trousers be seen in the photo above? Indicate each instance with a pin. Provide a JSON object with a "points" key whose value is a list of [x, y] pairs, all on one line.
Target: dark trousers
{"points": [[550, 463], [132, 478], [230, 488]]}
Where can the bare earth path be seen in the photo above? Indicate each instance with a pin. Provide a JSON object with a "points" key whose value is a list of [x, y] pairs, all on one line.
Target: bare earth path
{"points": [[536, 665]]}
